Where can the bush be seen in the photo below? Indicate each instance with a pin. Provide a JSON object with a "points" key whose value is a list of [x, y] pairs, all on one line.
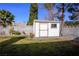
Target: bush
{"points": [[31, 35], [72, 24], [14, 32], [17, 33]]}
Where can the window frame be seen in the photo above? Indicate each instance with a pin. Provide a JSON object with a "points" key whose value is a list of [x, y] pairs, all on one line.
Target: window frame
{"points": [[53, 25]]}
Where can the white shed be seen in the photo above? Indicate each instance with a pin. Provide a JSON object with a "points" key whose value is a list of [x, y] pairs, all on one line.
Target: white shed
{"points": [[46, 28]]}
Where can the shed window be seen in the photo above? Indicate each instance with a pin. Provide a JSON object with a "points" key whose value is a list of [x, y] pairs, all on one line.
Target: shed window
{"points": [[53, 25]]}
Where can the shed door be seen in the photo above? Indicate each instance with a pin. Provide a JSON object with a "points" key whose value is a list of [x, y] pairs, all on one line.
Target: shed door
{"points": [[43, 27]]}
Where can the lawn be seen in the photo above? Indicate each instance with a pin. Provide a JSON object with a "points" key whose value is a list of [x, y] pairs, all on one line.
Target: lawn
{"points": [[22, 46]]}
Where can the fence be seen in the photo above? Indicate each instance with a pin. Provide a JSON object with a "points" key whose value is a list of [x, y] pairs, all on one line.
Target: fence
{"points": [[4, 31], [70, 31], [66, 31], [23, 30]]}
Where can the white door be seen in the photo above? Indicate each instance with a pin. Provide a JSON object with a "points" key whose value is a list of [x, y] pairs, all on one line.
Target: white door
{"points": [[43, 27]]}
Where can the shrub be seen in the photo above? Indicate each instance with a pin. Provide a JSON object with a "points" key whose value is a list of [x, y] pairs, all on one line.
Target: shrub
{"points": [[72, 24], [11, 31], [17, 33], [14, 32], [31, 35]]}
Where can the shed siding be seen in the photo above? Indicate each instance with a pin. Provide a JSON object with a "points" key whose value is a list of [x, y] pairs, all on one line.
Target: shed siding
{"points": [[43, 26], [45, 30], [53, 31], [36, 29]]}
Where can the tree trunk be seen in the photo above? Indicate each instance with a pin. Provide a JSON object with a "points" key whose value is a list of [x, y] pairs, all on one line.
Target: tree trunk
{"points": [[51, 15], [62, 20]]}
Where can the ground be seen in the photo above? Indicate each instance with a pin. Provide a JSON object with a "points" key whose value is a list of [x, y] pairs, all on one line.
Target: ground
{"points": [[21, 45]]}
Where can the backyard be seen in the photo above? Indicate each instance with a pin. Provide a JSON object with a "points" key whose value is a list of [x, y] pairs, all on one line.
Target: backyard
{"points": [[23, 46]]}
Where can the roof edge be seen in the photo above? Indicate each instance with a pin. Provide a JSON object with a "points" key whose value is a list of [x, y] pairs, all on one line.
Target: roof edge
{"points": [[46, 21]]}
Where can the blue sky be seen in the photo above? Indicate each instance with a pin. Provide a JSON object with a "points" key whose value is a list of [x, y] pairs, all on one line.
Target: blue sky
{"points": [[21, 11]]}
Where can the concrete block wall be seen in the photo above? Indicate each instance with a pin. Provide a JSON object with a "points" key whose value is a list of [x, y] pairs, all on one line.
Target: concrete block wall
{"points": [[70, 31]]}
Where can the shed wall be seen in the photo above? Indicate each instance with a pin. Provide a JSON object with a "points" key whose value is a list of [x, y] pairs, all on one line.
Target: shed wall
{"points": [[53, 31], [45, 30]]}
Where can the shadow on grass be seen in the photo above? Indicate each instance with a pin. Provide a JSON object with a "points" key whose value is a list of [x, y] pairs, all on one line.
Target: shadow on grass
{"points": [[76, 39], [65, 48], [10, 41]]}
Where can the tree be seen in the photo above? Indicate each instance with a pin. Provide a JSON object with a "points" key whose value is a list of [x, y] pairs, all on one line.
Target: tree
{"points": [[33, 13], [62, 8], [74, 10], [69, 23], [62, 18], [49, 7], [72, 23], [6, 18], [69, 7]]}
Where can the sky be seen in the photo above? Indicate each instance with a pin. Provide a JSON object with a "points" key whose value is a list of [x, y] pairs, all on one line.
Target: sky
{"points": [[21, 11]]}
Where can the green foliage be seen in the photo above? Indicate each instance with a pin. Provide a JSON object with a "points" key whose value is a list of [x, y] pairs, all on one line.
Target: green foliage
{"points": [[13, 32], [49, 7], [61, 48], [72, 24], [31, 35], [77, 23], [61, 9], [33, 13], [6, 18], [74, 10], [69, 23]]}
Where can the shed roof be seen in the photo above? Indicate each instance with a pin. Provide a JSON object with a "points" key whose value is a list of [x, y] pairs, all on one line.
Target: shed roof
{"points": [[46, 21]]}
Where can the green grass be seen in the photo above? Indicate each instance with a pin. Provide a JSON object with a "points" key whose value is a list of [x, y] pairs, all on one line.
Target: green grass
{"points": [[37, 40], [22, 46]]}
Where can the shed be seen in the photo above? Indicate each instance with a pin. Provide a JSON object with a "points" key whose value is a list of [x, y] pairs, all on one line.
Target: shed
{"points": [[46, 28]]}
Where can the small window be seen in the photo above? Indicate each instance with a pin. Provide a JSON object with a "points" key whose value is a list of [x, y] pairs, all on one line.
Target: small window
{"points": [[53, 25]]}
